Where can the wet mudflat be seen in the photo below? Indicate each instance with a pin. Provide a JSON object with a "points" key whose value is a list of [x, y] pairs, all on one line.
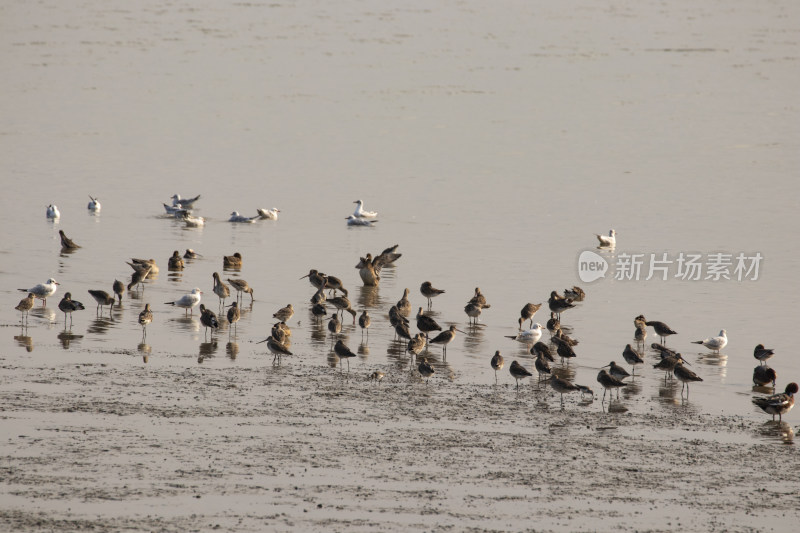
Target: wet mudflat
{"points": [[255, 447]]}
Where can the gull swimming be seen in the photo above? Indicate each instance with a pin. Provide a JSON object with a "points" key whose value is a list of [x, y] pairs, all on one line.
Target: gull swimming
{"points": [[173, 210], [268, 214], [353, 220], [94, 204], [43, 290], [715, 343], [360, 213], [53, 212], [236, 217], [607, 240], [188, 301], [186, 203]]}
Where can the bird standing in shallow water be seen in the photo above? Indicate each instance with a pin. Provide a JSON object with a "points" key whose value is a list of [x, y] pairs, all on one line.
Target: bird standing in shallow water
{"points": [[145, 318], [67, 306], [52, 212], [43, 290], [559, 304], [425, 370], [334, 326], [241, 286], [661, 329], [715, 343], [284, 313], [102, 298], [562, 386], [426, 324], [497, 364], [686, 376], [188, 301], [762, 374], [364, 322], [25, 305], [119, 289], [518, 372], [632, 357], [527, 313], [607, 381], [429, 292], [209, 319], [220, 289], [444, 338], [778, 404], [343, 352], [234, 314], [762, 354]]}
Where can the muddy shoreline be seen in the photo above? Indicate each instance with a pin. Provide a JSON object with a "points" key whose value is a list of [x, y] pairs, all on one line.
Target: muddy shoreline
{"points": [[108, 447]]}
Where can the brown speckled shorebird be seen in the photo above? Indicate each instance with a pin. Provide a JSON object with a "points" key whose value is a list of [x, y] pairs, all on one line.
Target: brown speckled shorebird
{"points": [[234, 314], [661, 329], [497, 364], [685, 376], [527, 313], [562, 386], [404, 304], [145, 318], [284, 313], [220, 289], [444, 338], [119, 289], [66, 242], [364, 322], [241, 286], [176, 261], [232, 261], [102, 298], [25, 305]]}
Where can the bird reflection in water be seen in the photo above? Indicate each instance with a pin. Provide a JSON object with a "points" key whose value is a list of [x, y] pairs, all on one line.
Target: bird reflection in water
{"points": [[363, 351], [145, 350], [207, 349], [232, 350], [368, 297], [775, 430], [66, 337], [100, 325], [24, 341]]}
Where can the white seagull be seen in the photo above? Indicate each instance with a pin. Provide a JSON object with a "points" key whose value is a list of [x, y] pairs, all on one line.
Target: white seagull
{"points": [[187, 203], [236, 217], [188, 301], [94, 204], [607, 240], [52, 212], [528, 336], [173, 210], [269, 214], [715, 343], [360, 213], [353, 220], [43, 290]]}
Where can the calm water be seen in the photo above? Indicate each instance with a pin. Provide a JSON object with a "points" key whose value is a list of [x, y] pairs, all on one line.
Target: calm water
{"points": [[493, 140]]}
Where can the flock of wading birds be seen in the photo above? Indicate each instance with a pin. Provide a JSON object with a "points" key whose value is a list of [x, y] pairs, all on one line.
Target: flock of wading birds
{"points": [[610, 377]]}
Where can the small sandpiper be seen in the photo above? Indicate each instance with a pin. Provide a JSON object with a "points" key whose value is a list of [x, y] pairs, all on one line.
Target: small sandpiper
{"points": [[364, 322]]}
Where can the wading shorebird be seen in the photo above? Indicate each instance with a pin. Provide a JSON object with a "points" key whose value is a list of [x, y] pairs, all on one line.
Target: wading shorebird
{"points": [[429, 292], [479, 299], [24, 306], [778, 404], [609, 382], [67, 306], [562, 386], [661, 329], [220, 289], [334, 325], [473, 311], [377, 376], [43, 290], [632, 357], [497, 363], [145, 318], [188, 301], [138, 277], [234, 314], [66, 242], [527, 313], [143, 264], [543, 350], [609, 240], [685, 376], [119, 289], [425, 370], [426, 324], [277, 349], [444, 338], [518, 372], [559, 304], [175, 262], [241, 287], [416, 344], [404, 304], [715, 343], [575, 294], [617, 371], [667, 363], [102, 298], [762, 354], [342, 304], [364, 321], [343, 352], [542, 367], [284, 313]]}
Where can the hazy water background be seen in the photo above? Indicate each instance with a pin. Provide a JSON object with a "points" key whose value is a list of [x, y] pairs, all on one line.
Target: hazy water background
{"points": [[494, 140]]}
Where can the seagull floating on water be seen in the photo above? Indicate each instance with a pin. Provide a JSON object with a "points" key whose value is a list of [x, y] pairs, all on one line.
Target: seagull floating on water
{"points": [[186, 203], [236, 217], [360, 213], [269, 214], [607, 240], [715, 343], [53, 212], [94, 204], [353, 220]]}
